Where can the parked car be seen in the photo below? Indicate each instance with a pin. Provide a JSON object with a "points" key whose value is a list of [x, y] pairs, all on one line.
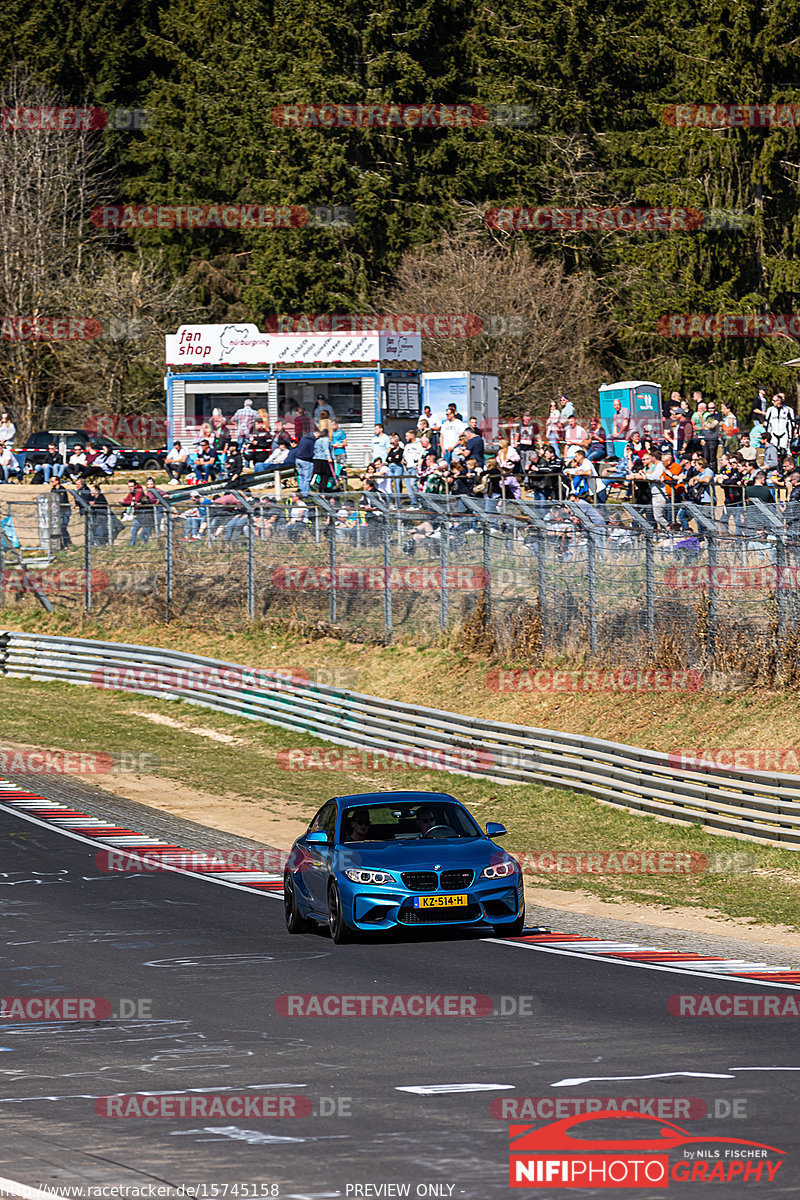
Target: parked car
{"points": [[128, 460], [388, 860]]}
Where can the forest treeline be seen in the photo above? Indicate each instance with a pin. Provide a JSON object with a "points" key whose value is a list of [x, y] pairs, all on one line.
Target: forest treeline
{"points": [[578, 106]]}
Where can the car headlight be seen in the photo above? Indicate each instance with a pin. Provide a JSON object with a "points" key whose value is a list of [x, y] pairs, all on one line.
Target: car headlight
{"points": [[358, 875], [499, 870]]}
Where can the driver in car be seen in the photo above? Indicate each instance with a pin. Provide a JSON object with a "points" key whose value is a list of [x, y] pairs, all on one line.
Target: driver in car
{"points": [[425, 820], [360, 826]]}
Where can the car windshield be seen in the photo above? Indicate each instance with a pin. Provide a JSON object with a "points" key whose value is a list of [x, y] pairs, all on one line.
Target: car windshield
{"points": [[407, 822]]}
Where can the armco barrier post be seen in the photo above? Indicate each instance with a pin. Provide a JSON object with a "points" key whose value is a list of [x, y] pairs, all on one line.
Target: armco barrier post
{"points": [[387, 578]]}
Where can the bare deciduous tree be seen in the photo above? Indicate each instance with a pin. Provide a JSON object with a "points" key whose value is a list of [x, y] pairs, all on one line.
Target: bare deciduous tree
{"points": [[544, 329], [49, 180]]}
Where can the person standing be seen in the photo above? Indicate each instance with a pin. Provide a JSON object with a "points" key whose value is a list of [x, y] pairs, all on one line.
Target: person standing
{"points": [[523, 437], [413, 454], [394, 463], [449, 433], [339, 447], [302, 458], [142, 512], [476, 447], [323, 461], [243, 421], [380, 445], [8, 430], [622, 422], [58, 490], [779, 423]]}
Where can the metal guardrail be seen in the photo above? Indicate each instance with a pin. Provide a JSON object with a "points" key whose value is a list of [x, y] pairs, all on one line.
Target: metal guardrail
{"points": [[753, 805]]}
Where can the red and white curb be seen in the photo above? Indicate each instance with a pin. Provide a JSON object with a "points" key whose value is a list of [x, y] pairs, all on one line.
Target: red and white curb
{"points": [[96, 832], [106, 835], [656, 958]]}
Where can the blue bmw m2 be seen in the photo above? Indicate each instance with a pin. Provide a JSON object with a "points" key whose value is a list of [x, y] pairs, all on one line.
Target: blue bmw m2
{"points": [[386, 860]]}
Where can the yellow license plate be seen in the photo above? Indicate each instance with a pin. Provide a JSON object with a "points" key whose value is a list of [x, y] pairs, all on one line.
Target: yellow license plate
{"points": [[441, 901]]}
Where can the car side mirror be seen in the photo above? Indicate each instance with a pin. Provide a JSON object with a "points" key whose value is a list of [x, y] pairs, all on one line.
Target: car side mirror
{"points": [[317, 838], [495, 829]]}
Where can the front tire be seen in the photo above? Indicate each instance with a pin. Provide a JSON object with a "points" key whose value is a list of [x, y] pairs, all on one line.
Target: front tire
{"points": [[295, 922], [340, 930], [513, 930]]}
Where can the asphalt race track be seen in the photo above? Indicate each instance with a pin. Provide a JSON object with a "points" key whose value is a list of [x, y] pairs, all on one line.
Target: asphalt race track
{"points": [[203, 968]]}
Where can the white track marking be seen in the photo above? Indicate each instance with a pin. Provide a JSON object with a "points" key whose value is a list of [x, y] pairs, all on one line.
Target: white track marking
{"points": [[443, 1089], [628, 1078], [669, 968]]}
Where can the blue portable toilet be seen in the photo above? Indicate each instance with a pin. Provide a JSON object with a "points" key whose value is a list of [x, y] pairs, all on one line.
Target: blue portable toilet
{"points": [[642, 399]]}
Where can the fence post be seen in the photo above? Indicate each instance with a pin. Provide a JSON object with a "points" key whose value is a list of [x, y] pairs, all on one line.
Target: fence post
{"points": [[591, 573], [712, 593], [649, 569], [590, 530], [541, 574], [251, 567], [168, 563], [487, 571], [2, 573], [776, 523], [332, 615], [87, 561], [704, 523], [444, 562], [387, 577]]}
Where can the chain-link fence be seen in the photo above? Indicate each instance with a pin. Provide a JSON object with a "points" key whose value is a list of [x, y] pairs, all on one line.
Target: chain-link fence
{"points": [[575, 581]]}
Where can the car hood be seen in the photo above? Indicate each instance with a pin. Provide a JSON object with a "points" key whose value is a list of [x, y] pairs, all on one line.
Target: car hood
{"points": [[421, 856]]}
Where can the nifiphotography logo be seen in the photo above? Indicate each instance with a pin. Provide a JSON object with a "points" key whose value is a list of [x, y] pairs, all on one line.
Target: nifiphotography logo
{"points": [[565, 1154]]}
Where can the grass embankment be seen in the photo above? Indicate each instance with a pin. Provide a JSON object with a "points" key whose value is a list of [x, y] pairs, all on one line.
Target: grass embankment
{"points": [[234, 762]]}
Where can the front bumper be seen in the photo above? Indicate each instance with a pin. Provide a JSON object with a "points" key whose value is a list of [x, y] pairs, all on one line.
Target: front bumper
{"points": [[367, 907]]}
